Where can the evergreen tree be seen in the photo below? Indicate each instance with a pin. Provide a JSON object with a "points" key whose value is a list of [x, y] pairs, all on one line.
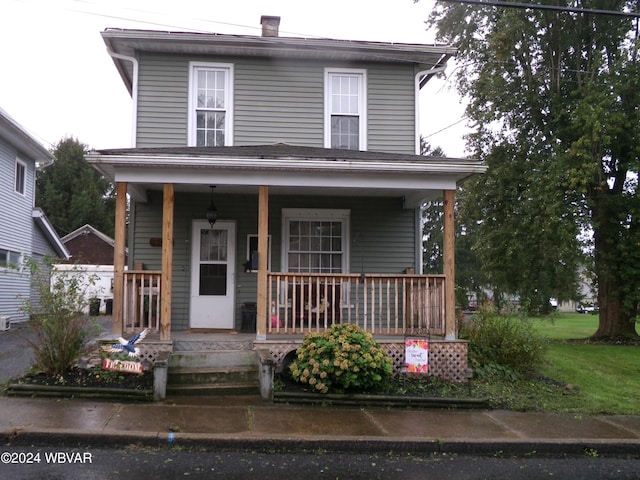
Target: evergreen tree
{"points": [[72, 193]]}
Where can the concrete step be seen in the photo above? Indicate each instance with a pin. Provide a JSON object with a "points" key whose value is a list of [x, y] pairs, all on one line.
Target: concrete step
{"points": [[219, 372], [214, 359], [208, 389], [222, 375]]}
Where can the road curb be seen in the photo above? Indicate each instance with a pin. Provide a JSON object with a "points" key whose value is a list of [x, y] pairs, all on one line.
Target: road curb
{"points": [[496, 448]]}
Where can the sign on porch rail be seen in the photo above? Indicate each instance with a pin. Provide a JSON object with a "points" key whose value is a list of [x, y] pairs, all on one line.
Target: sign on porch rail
{"points": [[416, 355]]}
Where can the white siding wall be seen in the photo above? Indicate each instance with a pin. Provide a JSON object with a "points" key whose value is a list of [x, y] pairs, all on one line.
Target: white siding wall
{"points": [[16, 230]]}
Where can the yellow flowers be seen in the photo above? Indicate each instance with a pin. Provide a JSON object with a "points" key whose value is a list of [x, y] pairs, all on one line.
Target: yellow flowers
{"points": [[344, 358]]}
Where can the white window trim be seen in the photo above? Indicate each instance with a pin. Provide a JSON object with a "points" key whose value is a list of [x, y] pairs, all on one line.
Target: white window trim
{"points": [[11, 267], [316, 214], [362, 73], [24, 180], [193, 93]]}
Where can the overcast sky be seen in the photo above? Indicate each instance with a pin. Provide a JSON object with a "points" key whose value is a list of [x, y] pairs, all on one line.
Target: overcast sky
{"points": [[57, 79]]}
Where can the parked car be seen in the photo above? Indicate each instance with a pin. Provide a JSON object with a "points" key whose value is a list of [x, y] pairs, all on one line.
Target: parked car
{"points": [[586, 308]]}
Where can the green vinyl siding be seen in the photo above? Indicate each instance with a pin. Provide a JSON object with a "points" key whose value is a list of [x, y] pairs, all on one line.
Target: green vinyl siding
{"points": [[278, 101], [275, 101], [162, 101], [382, 238], [391, 109]]}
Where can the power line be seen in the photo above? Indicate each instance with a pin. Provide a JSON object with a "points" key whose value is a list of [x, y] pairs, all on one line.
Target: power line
{"points": [[535, 6]]}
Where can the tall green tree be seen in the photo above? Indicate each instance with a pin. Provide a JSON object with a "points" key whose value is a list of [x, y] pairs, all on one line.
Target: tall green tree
{"points": [[72, 193], [555, 99]]}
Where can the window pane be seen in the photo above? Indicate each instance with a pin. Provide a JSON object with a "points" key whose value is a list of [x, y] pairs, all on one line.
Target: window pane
{"points": [[4, 258], [319, 250], [20, 177], [213, 279], [345, 132], [213, 245]]}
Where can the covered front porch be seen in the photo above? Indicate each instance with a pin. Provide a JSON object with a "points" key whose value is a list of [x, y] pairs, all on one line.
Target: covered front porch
{"points": [[364, 188]]}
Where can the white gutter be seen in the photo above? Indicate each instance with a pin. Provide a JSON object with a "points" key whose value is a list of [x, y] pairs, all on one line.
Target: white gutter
{"points": [[134, 92], [288, 164], [418, 80]]}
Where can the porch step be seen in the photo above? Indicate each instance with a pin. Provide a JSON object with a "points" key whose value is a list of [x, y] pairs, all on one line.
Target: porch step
{"points": [[232, 372]]}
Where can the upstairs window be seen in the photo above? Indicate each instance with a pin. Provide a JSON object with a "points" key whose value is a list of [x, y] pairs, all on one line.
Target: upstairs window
{"points": [[21, 177], [210, 105], [345, 109]]}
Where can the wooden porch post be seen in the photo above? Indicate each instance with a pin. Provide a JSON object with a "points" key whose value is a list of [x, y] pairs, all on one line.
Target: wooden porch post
{"points": [[167, 262], [263, 253], [449, 264], [119, 248]]}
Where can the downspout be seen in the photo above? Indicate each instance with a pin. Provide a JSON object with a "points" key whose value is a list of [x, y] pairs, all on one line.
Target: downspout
{"points": [[134, 92], [420, 80]]}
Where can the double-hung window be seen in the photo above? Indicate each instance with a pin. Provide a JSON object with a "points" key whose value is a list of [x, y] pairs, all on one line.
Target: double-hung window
{"points": [[316, 241], [21, 177], [210, 105], [10, 259], [345, 109]]}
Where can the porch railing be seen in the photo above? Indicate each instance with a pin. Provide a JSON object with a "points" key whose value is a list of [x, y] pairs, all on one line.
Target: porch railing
{"points": [[141, 300], [379, 303]]}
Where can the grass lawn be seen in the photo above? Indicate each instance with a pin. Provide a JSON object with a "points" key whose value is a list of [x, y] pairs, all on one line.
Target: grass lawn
{"points": [[565, 326], [578, 376]]}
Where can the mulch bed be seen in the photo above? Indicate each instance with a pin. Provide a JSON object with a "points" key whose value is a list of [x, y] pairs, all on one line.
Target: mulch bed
{"points": [[92, 378]]}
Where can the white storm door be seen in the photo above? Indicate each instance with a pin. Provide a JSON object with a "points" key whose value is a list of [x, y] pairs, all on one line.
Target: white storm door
{"points": [[213, 274]]}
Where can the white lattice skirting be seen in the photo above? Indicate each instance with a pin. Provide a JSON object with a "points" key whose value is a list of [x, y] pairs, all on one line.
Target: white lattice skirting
{"points": [[447, 359]]}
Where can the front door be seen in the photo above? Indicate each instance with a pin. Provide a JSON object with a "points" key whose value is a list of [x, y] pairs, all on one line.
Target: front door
{"points": [[213, 274]]}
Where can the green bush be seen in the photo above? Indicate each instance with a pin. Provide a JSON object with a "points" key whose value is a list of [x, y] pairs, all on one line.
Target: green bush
{"points": [[502, 345], [60, 327], [344, 358]]}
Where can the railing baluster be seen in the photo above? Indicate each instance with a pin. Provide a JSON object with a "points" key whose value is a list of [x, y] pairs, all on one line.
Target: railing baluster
{"points": [[379, 303]]}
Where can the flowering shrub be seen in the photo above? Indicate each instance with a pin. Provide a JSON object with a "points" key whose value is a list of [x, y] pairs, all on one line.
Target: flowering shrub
{"points": [[343, 358]]}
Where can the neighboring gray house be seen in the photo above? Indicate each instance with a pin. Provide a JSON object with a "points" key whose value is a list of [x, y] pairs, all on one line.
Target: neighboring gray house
{"points": [[24, 229], [277, 174]]}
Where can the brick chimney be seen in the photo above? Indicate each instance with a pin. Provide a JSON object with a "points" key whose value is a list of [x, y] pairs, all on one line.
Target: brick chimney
{"points": [[270, 26]]}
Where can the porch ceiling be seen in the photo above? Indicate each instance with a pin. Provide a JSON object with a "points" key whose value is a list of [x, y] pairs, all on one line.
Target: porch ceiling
{"points": [[286, 169]]}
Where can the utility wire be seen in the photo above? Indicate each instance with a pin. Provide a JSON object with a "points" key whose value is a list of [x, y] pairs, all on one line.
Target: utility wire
{"points": [[537, 6]]}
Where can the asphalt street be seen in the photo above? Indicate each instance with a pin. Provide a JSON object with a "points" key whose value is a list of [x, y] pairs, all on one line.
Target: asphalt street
{"points": [[170, 463]]}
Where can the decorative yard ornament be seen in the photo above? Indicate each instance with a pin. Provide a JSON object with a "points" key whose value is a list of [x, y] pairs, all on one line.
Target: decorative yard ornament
{"points": [[128, 346]]}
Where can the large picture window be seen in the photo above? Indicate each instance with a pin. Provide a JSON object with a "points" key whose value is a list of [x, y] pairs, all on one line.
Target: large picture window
{"points": [[345, 109], [316, 240], [210, 105]]}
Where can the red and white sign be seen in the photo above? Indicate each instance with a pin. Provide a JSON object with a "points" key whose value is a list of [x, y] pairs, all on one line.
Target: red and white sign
{"points": [[126, 366]]}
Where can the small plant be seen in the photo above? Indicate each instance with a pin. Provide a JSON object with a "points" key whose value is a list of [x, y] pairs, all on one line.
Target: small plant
{"points": [[343, 358], [57, 318], [503, 345]]}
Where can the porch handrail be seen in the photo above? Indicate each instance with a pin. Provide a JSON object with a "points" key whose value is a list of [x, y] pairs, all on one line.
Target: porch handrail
{"points": [[391, 304], [141, 300]]}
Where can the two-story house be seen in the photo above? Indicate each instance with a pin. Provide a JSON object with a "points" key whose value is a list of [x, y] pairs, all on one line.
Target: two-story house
{"points": [[25, 231], [281, 173]]}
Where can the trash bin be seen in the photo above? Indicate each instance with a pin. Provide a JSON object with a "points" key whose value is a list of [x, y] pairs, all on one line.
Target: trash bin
{"points": [[94, 307], [249, 313], [108, 306]]}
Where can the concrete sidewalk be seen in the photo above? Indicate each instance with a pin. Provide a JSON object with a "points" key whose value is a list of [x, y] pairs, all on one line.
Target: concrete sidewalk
{"points": [[247, 422]]}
